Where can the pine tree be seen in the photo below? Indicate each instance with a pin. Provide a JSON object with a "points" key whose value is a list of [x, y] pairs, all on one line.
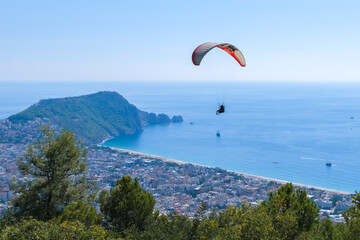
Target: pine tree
{"points": [[81, 212], [352, 218], [292, 211], [126, 205], [55, 166]]}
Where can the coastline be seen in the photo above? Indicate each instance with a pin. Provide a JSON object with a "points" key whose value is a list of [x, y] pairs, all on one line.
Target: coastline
{"points": [[254, 177], [103, 141]]}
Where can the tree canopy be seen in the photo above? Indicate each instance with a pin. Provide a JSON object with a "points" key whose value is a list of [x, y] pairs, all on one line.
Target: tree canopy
{"points": [[55, 168], [126, 205]]}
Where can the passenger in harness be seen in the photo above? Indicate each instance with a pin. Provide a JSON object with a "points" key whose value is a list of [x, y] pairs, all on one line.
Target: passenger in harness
{"points": [[221, 109]]}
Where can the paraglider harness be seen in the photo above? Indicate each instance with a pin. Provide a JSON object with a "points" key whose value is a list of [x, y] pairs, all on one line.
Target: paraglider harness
{"points": [[221, 109]]}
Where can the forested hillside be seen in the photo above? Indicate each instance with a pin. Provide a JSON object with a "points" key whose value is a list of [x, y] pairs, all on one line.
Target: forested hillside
{"points": [[93, 117]]}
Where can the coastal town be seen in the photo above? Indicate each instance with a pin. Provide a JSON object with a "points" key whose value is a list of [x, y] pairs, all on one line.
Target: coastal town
{"points": [[176, 186]]}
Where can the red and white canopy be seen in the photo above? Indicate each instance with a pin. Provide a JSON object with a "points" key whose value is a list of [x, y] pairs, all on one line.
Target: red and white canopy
{"points": [[204, 48]]}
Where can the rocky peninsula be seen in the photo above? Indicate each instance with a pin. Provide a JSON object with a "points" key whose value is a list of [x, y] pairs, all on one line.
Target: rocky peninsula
{"points": [[92, 117]]}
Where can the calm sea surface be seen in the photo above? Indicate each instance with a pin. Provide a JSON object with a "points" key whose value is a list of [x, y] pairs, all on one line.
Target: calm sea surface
{"points": [[282, 131]]}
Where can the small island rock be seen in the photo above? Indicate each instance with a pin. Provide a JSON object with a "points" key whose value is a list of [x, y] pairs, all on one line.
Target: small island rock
{"points": [[177, 118], [163, 118]]}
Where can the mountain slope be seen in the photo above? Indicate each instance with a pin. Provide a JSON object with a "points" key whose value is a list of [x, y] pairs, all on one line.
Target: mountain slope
{"points": [[93, 117]]}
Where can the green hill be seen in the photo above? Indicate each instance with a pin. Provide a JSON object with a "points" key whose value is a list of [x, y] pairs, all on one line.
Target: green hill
{"points": [[93, 117]]}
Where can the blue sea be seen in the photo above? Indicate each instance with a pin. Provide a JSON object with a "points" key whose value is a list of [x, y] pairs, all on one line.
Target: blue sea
{"points": [[285, 131]]}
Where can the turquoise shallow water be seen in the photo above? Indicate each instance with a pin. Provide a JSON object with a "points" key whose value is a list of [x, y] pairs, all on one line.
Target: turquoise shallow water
{"points": [[282, 131]]}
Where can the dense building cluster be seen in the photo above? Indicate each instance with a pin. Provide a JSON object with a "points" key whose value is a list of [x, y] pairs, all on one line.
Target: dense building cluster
{"points": [[176, 186]]}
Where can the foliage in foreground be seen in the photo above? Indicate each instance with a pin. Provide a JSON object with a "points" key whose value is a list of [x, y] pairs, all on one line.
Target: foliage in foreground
{"points": [[56, 168], [35, 229], [275, 219], [126, 205], [80, 212]]}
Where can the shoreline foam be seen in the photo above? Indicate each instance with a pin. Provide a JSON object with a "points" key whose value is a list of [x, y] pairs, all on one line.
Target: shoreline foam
{"points": [[255, 177]]}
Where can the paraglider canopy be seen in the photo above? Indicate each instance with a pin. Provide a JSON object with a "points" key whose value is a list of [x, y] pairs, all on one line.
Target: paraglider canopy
{"points": [[204, 48]]}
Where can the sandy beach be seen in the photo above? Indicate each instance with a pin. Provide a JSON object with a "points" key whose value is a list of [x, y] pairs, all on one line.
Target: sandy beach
{"points": [[254, 177]]}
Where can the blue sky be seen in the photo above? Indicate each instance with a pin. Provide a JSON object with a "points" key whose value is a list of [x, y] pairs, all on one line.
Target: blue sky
{"points": [[116, 40]]}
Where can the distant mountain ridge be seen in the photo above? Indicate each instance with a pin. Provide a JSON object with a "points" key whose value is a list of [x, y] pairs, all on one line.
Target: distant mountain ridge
{"points": [[93, 117]]}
